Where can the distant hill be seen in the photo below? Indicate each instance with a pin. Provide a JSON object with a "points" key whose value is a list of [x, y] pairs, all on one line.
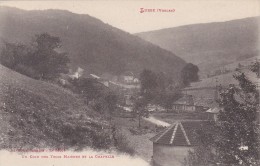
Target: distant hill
{"points": [[210, 45], [34, 114], [92, 45], [204, 91]]}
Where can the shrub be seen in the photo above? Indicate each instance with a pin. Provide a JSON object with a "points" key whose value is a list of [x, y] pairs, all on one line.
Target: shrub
{"points": [[121, 143]]}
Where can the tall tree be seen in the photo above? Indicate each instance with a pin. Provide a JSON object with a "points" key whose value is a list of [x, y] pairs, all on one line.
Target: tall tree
{"points": [[149, 84], [46, 59], [236, 137], [189, 74], [238, 141], [140, 109], [13, 54]]}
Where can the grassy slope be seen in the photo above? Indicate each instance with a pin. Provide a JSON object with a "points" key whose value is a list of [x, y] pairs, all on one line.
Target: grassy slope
{"points": [[38, 114], [140, 142], [226, 79]]}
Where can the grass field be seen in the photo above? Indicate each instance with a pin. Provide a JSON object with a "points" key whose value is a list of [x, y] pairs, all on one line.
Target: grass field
{"points": [[226, 79]]}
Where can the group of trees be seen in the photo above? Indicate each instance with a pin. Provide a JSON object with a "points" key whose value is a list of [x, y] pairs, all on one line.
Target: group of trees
{"points": [[234, 139], [154, 90], [98, 96], [39, 60]]}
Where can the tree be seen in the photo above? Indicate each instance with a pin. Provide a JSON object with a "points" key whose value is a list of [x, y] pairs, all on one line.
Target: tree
{"points": [[157, 88], [189, 74], [39, 60], [13, 54], [46, 60], [140, 109], [149, 84], [238, 127], [111, 100], [203, 155], [255, 67], [235, 138]]}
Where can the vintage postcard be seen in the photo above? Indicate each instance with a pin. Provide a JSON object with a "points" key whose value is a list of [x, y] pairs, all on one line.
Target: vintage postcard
{"points": [[129, 83]]}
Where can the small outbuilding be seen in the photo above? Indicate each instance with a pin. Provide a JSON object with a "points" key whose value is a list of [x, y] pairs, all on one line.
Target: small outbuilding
{"points": [[171, 146]]}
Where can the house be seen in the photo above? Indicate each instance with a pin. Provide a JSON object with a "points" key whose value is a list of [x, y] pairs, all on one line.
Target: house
{"points": [[185, 103], [155, 108], [171, 146], [128, 78]]}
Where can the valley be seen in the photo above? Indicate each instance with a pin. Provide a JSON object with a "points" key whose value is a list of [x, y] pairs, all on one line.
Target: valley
{"points": [[70, 82]]}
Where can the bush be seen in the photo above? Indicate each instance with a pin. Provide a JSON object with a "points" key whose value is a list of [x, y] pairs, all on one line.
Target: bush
{"points": [[101, 140], [121, 143]]}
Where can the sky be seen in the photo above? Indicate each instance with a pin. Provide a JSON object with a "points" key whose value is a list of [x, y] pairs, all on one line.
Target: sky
{"points": [[126, 15]]}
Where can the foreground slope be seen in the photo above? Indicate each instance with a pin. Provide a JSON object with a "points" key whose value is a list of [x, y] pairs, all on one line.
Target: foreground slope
{"points": [[34, 114], [210, 45], [91, 44]]}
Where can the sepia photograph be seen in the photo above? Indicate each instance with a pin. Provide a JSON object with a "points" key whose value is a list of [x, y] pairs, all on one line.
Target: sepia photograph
{"points": [[129, 83]]}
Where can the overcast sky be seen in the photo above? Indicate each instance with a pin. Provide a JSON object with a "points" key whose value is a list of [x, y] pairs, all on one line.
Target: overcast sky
{"points": [[126, 14]]}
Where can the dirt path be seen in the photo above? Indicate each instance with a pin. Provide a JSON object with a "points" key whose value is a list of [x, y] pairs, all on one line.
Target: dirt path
{"points": [[157, 121]]}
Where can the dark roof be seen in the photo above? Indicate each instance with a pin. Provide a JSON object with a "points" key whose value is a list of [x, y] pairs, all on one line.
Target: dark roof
{"points": [[186, 99], [179, 133]]}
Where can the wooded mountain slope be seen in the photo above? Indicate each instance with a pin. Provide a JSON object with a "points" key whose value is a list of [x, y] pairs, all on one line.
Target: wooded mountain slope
{"points": [[92, 45], [210, 45]]}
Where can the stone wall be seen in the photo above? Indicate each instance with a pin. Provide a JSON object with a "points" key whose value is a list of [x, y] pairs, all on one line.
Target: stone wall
{"points": [[167, 155]]}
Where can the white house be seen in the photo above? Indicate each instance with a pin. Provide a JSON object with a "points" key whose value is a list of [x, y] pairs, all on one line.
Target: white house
{"points": [[186, 103]]}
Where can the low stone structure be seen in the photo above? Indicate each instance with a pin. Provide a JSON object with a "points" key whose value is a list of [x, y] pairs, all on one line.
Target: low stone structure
{"points": [[171, 146]]}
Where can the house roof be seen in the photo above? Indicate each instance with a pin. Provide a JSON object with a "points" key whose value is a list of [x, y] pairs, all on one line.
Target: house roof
{"points": [[181, 100], [179, 134], [186, 99]]}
